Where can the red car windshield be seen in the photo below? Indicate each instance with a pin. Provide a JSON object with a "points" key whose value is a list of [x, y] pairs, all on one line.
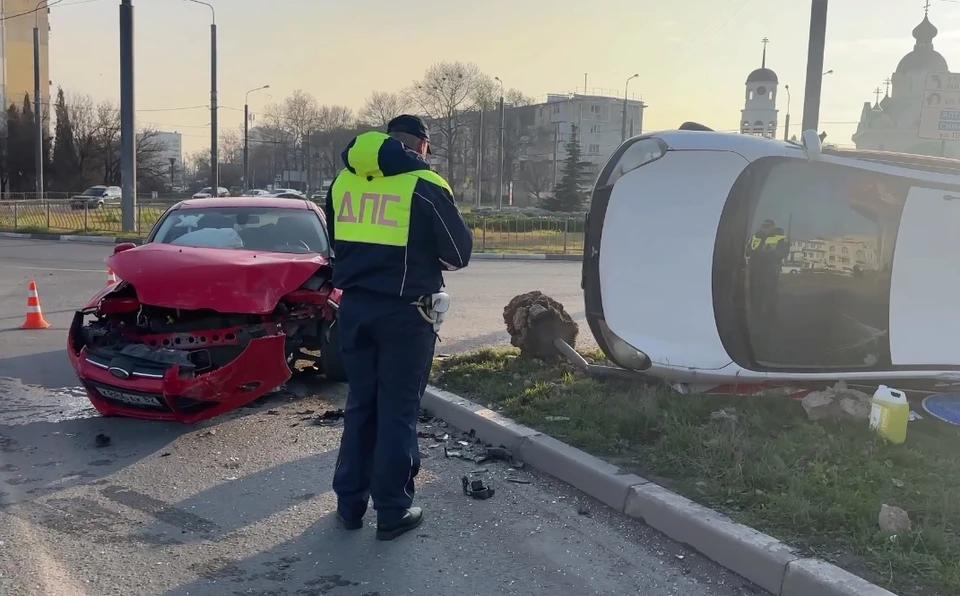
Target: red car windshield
{"points": [[297, 231]]}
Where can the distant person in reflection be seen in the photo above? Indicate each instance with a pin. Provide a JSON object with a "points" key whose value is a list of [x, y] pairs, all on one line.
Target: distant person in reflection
{"points": [[768, 248]]}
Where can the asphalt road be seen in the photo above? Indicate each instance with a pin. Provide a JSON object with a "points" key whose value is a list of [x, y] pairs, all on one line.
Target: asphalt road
{"points": [[241, 505]]}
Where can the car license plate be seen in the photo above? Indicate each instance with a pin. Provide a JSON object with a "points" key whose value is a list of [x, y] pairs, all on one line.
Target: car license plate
{"points": [[135, 399]]}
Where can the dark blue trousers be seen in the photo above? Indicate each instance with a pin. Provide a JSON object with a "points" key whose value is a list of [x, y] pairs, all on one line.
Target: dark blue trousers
{"points": [[387, 352]]}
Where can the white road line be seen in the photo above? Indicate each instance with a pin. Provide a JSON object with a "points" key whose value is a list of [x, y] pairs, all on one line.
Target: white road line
{"points": [[53, 269]]}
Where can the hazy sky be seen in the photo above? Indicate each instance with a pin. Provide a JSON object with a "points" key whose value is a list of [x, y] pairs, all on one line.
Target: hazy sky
{"points": [[693, 56]]}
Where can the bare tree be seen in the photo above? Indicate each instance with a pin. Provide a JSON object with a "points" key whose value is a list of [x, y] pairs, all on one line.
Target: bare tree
{"points": [[383, 106], [334, 118], [516, 98], [447, 90], [536, 176], [231, 146]]}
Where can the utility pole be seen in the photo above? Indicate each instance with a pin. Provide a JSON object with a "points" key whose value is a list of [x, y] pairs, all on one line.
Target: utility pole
{"points": [[37, 108], [214, 156], [246, 136], [246, 146], [309, 158], [623, 125], [500, 152], [556, 148], [128, 141], [815, 51]]}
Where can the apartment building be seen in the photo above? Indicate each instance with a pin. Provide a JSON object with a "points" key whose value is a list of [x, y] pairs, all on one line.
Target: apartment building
{"points": [[598, 117], [16, 52]]}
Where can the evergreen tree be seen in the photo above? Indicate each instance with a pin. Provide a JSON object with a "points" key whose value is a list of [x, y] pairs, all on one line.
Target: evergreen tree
{"points": [[569, 194], [20, 166], [65, 163]]}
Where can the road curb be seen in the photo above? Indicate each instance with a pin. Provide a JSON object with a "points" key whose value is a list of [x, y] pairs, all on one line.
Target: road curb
{"points": [[762, 559], [501, 256], [70, 238]]}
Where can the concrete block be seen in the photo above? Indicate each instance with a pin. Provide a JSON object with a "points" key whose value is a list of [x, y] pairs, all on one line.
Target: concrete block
{"points": [[754, 555], [597, 478], [465, 415], [806, 577]]}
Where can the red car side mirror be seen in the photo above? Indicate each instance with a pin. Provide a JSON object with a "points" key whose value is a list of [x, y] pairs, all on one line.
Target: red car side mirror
{"points": [[123, 246]]}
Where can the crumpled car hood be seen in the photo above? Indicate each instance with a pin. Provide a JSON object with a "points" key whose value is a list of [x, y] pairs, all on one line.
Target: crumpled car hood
{"points": [[227, 281]]}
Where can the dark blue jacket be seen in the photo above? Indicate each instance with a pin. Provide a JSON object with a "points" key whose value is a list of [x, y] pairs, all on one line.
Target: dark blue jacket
{"points": [[439, 239]]}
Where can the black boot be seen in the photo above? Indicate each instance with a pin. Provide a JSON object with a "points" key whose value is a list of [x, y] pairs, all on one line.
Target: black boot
{"points": [[350, 524], [410, 520]]}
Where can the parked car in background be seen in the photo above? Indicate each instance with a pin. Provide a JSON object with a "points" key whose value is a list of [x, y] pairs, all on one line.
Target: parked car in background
{"points": [[207, 192], [256, 192], [288, 195], [212, 311], [96, 197]]}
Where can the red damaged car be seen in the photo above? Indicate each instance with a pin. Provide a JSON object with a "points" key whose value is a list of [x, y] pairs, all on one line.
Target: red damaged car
{"points": [[211, 312]]}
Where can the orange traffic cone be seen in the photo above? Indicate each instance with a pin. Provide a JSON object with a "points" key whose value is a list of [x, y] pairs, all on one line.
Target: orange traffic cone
{"points": [[34, 318], [111, 277]]}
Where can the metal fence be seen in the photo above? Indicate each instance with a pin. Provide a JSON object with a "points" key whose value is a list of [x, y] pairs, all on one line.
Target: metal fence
{"points": [[496, 233], [59, 217]]}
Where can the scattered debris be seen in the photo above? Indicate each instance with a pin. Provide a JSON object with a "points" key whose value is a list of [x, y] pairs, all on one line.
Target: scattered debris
{"points": [[837, 402], [306, 412], [517, 480], [272, 412], [582, 510], [328, 418], [556, 418], [893, 520], [476, 489], [451, 453], [101, 440], [208, 433], [165, 454], [534, 321]]}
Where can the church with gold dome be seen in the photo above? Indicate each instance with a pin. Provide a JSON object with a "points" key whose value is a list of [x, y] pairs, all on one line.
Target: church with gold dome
{"points": [[892, 123]]}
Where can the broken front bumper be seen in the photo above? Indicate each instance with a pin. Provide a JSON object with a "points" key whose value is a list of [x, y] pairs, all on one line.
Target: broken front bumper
{"points": [[154, 389]]}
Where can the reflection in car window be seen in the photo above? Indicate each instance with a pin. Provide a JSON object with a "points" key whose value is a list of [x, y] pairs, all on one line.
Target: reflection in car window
{"points": [[94, 191], [818, 260], [276, 229]]}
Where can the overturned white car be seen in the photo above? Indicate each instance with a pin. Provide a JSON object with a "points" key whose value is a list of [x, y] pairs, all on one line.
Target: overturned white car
{"points": [[717, 259]]}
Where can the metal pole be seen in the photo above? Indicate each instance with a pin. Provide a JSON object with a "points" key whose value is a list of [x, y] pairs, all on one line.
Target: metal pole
{"points": [[786, 120], [480, 157], [500, 160], [214, 158], [246, 136], [815, 51], [128, 147], [37, 108]]}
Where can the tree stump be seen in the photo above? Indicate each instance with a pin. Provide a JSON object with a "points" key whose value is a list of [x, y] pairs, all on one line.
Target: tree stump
{"points": [[534, 320]]}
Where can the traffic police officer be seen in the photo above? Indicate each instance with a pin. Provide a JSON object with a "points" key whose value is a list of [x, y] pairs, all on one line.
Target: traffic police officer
{"points": [[394, 228]]}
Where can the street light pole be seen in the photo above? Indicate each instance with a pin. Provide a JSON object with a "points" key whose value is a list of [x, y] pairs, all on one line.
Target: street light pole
{"points": [[623, 125], [246, 131], [786, 121], [500, 151], [37, 113], [128, 146], [815, 51], [214, 157]]}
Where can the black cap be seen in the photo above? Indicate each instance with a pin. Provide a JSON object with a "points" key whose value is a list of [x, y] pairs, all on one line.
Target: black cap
{"points": [[411, 125]]}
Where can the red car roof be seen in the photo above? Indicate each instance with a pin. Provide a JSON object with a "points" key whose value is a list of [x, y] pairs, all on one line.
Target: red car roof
{"points": [[244, 202]]}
